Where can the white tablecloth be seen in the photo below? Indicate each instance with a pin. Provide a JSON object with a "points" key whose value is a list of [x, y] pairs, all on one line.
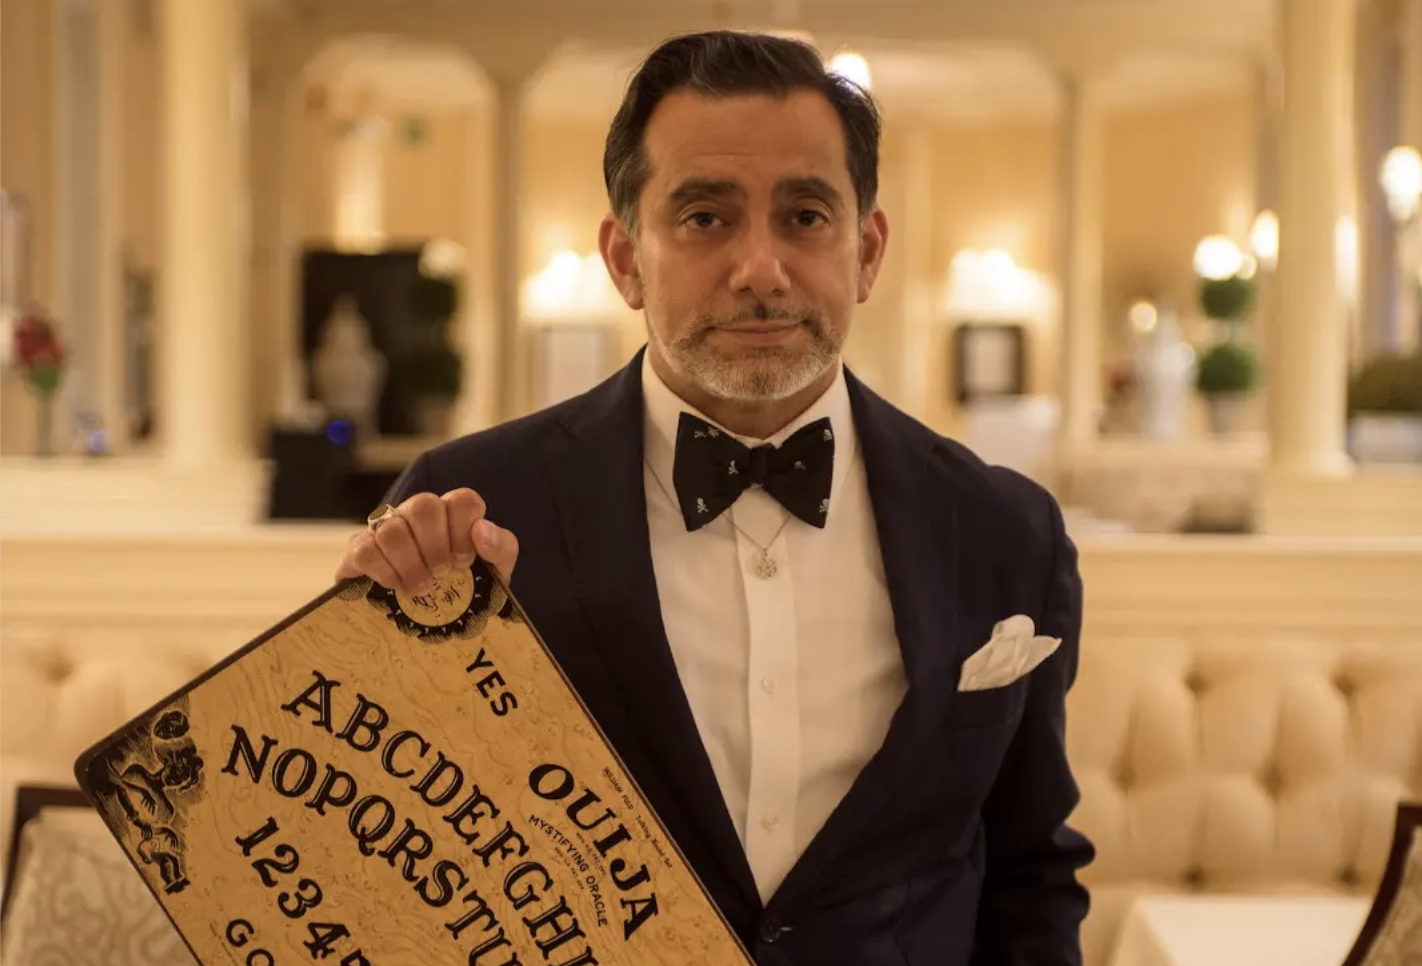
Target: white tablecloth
{"points": [[1239, 931]]}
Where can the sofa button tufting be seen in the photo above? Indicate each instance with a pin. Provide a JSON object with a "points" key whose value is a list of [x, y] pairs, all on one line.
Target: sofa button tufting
{"points": [[58, 668], [1349, 878], [1194, 878], [1195, 682]]}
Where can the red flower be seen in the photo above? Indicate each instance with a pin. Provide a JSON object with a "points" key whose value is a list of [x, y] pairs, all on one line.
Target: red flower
{"points": [[39, 354]]}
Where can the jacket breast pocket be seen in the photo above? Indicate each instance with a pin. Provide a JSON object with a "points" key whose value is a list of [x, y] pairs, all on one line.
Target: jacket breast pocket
{"points": [[990, 707]]}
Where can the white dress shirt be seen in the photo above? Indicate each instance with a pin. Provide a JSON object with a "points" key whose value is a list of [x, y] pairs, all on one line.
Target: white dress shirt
{"points": [[793, 678]]}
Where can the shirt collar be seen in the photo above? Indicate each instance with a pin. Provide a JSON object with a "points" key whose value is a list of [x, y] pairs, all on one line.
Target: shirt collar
{"points": [[663, 409]]}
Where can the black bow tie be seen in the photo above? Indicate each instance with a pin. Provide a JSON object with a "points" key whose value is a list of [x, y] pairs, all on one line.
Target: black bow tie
{"points": [[713, 469]]}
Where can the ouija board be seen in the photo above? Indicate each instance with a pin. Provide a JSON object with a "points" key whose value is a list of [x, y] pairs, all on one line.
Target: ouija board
{"points": [[395, 780]]}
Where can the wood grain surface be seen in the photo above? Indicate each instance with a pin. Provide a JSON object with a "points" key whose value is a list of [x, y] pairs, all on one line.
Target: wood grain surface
{"points": [[384, 780]]}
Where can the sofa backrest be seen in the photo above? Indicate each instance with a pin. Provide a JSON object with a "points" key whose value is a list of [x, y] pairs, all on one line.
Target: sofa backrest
{"points": [[1246, 714]]}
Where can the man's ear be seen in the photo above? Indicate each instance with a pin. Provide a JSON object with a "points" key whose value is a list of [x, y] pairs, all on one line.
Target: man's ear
{"points": [[619, 254], [873, 240]]}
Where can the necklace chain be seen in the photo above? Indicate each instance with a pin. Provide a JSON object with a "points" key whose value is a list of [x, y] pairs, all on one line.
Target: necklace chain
{"points": [[765, 565]]}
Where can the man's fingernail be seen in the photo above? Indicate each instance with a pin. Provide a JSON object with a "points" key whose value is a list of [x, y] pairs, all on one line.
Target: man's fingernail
{"points": [[464, 560], [491, 535]]}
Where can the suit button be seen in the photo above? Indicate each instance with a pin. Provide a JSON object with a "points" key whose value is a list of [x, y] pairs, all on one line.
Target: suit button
{"points": [[771, 929]]}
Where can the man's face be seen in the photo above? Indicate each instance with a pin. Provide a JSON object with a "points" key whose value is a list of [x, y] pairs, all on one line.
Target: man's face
{"points": [[750, 254]]}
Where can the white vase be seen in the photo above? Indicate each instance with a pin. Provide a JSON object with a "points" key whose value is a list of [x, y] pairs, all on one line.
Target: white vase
{"points": [[1166, 370], [348, 370], [1227, 410], [1386, 438]]}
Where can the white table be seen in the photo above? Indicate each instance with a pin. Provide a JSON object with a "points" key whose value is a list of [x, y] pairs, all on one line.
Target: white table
{"points": [[1239, 931]]}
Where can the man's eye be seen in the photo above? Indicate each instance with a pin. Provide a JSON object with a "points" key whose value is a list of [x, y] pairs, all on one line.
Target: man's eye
{"points": [[809, 218], [702, 219]]}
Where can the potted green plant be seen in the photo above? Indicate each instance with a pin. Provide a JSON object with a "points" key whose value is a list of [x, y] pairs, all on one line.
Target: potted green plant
{"points": [[1385, 409], [1227, 300], [1225, 376], [433, 370]]}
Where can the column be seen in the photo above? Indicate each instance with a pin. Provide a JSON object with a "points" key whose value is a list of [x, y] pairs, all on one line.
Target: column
{"points": [[360, 182], [274, 135], [203, 349], [1409, 335], [1268, 105], [513, 370], [1308, 349], [916, 242], [480, 399], [1082, 157], [110, 371]]}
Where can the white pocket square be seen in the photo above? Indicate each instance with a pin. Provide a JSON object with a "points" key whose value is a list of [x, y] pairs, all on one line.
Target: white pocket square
{"points": [[1014, 650]]}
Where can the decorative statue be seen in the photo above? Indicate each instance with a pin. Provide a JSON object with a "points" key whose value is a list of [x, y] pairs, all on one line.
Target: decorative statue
{"points": [[349, 371]]}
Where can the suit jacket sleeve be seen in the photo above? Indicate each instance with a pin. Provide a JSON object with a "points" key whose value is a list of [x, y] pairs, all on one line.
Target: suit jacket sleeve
{"points": [[1032, 905], [415, 479]]}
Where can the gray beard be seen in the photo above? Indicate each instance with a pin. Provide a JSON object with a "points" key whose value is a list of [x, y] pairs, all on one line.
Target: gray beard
{"points": [[764, 374]]}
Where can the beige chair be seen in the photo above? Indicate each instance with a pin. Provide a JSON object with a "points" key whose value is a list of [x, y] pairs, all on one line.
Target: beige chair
{"points": [[74, 898]]}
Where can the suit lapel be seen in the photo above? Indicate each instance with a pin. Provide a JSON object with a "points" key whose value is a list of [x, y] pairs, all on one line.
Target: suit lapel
{"points": [[602, 505], [915, 515]]}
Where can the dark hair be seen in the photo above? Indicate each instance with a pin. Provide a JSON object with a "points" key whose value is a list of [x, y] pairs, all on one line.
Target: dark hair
{"points": [[723, 63]]}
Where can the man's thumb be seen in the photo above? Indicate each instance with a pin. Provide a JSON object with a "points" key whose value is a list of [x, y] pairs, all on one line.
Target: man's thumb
{"points": [[497, 546]]}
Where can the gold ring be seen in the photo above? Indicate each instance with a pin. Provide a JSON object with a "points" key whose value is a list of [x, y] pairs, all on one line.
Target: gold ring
{"points": [[380, 515]]}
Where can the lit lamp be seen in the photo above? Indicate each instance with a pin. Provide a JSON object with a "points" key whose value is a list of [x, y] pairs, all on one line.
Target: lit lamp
{"points": [[852, 67], [571, 289], [1218, 258], [1264, 240], [1401, 180], [572, 310]]}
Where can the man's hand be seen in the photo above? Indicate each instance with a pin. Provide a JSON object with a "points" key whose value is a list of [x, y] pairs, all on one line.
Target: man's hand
{"points": [[428, 535]]}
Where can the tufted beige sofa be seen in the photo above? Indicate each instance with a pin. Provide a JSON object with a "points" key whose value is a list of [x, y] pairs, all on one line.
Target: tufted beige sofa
{"points": [[1247, 714]]}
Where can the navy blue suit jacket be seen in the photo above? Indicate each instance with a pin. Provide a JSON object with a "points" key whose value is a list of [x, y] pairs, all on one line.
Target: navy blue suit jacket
{"points": [[951, 848]]}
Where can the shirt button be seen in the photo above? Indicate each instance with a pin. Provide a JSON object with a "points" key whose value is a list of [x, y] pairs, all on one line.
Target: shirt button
{"points": [[771, 929], [769, 821], [769, 685]]}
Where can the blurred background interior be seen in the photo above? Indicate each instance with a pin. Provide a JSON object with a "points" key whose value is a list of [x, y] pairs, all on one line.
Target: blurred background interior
{"points": [[1164, 256]]}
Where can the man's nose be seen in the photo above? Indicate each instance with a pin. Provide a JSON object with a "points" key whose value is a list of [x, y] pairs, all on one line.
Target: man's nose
{"points": [[759, 269]]}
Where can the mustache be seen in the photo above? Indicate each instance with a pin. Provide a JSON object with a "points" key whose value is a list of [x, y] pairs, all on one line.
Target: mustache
{"points": [[760, 313]]}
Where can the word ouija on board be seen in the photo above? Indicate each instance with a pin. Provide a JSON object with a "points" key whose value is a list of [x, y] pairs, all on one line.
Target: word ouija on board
{"points": [[387, 779]]}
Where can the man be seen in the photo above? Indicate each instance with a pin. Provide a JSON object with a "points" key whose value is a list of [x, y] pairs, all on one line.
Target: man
{"points": [[763, 579]]}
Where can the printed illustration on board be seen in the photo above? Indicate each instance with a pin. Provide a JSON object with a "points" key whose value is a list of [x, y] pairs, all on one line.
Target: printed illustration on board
{"points": [[145, 785]]}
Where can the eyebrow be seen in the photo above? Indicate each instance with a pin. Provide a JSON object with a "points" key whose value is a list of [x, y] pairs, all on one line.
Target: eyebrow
{"points": [[703, 189], [810, 187], [710, 189]]}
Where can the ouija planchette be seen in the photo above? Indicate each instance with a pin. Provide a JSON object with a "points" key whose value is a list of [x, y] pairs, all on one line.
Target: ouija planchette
{"points": [[386, 779]]}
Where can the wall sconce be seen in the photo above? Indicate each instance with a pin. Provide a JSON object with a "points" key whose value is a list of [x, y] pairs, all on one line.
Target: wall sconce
{"points": [[1264, 240], [1401, 180], [1143, 316]]}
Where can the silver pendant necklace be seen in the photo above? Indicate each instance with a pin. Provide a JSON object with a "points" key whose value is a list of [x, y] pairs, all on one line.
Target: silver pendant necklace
{"points": [[765, 565]]}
